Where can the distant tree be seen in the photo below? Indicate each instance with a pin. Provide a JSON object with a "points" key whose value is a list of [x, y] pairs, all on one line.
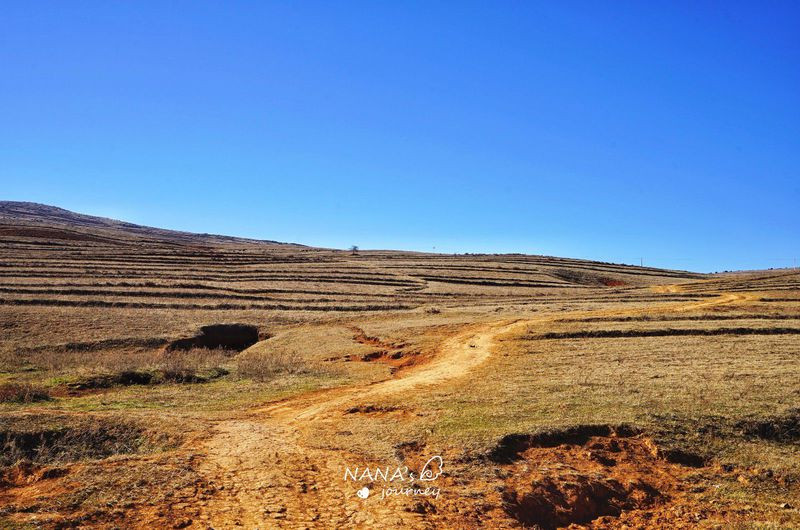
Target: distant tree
{"points": [[354, 250]]}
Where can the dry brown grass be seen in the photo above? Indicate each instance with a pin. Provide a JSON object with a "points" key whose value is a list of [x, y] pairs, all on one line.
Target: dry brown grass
{"points": [[22, 393], [58, 439], [265, 366]]}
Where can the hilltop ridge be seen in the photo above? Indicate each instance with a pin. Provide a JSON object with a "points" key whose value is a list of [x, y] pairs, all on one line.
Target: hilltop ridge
{"points": [[35, 219]]}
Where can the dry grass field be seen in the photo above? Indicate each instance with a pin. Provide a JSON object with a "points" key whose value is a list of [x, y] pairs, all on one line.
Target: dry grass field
{"points": [[158, 379]]}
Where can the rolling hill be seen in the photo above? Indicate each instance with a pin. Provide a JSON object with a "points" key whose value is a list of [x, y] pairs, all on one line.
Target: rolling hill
{"points": [[55, 257]]}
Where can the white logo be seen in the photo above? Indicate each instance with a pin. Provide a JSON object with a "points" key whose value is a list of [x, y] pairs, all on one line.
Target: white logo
{"points": [[432, 468], [398, 480]]}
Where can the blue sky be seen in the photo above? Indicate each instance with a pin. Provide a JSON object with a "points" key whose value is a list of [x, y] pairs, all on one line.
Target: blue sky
{"points": [[604, 130]]}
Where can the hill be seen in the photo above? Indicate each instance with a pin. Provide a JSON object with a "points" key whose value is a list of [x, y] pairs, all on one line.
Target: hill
{"points": [[30, 219], [56, 257]]}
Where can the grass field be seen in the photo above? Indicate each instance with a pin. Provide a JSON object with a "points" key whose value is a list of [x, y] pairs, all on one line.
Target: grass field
{"points": [[556, 391]]}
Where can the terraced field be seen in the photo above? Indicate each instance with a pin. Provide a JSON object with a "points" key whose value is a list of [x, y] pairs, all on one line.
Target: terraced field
{"points": [[55, 259], [161, 379], [55, 266]]}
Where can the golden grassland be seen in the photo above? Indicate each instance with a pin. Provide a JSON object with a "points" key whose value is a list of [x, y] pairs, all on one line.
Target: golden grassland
{"points": [[665, 398]]}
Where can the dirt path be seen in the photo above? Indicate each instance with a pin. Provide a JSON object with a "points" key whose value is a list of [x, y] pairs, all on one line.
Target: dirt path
{"points": [[456, 357], [265, 472], [255, 457]]}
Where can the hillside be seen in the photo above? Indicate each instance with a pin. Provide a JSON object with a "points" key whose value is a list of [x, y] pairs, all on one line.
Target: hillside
{"points": [[30, 219], [54, 257]]}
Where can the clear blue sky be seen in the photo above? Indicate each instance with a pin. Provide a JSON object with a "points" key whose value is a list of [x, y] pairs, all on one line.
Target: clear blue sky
{"points": [[604, 130]]}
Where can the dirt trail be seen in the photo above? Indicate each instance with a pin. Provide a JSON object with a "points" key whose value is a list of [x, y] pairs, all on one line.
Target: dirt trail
{"points": [[254, 456], [265, 472], [456, 357]]}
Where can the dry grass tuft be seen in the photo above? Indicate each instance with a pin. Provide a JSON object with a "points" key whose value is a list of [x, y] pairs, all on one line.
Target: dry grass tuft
{"points": [[22, 393], [61, 439], [267, 365], [783, 428], [191, 366]]}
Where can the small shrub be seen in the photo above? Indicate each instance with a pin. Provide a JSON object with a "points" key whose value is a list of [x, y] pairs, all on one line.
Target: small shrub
{"points": [[57, 439], [783, 428], [22, 393], [188, 376], [151, 377], [108, 380]]}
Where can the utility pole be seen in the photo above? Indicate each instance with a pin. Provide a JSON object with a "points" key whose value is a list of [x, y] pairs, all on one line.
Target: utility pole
{"points": [[641, 262]]}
